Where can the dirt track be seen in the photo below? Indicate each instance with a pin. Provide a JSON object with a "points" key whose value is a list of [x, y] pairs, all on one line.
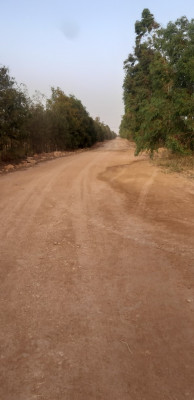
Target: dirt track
{"points": [[97, 280]]}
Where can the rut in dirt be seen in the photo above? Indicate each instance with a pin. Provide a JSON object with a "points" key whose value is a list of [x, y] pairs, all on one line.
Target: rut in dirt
{"points": [[96, 279]]}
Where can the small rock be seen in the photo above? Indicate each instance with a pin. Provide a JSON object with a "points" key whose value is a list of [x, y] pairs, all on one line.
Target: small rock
{"points": [[30, 160], [9, 167], [57, 153], [25, 164]]}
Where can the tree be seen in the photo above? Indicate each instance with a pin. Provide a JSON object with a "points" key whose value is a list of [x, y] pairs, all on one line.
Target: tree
{"points": [[13, 113], [159, 86], [72, 126], [33, 126]]}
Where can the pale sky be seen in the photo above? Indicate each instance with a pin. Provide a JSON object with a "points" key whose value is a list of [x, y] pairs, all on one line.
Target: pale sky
{"points": [[77, 45]]}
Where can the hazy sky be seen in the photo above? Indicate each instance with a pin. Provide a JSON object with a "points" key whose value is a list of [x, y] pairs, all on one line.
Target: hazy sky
{"points": [[78, 45]]}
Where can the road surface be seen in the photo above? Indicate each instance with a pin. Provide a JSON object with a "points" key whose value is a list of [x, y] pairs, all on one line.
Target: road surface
{"points": [[97, 282]]}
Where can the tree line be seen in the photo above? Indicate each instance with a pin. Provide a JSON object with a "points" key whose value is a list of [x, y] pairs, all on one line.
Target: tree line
{"points": [[158, 89], [36, 125]]}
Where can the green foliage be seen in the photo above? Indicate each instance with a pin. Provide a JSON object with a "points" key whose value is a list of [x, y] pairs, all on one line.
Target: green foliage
{"points": [[159, 86], [13, 115], [34, 126], [103, 131], [71, 125]]}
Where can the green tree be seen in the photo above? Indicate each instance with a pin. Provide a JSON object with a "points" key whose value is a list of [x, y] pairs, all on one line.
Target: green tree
{"points": [[14, 109], [159, 86], [72, 126], [39, 129], [34, 126]]}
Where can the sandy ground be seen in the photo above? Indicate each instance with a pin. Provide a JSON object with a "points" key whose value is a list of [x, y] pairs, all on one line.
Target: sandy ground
{"points": [[97, 280]]}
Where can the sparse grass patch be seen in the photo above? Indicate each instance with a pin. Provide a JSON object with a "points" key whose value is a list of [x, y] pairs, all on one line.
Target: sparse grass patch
{"points": [[175, 163]]}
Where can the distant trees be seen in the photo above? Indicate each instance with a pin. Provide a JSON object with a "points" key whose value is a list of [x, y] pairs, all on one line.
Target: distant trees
{"points": [[33, 126], [159, 86], [70, 123]]}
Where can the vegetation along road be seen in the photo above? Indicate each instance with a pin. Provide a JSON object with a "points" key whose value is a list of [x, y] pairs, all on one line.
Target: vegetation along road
{"points": [[97, 296]]}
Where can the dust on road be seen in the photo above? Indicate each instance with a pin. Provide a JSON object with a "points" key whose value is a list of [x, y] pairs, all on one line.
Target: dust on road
{"points": [[97, 288]]}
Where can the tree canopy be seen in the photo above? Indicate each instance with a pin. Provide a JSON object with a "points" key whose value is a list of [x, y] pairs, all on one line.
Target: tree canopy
{"points": [[33, 126], [158, 88]]}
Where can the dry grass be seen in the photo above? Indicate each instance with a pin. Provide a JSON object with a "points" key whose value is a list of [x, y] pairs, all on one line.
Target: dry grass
{"points": [[175, 163]]}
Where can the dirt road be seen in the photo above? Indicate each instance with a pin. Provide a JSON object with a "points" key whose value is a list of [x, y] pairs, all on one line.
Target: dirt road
{"points": [[97, 280]]}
